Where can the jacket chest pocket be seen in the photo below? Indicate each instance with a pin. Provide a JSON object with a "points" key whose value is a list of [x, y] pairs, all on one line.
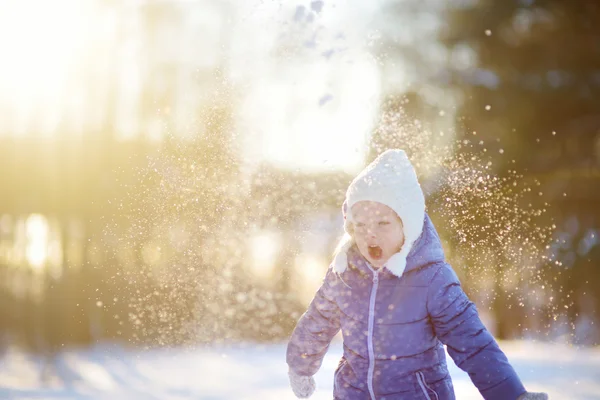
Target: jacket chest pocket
{"points": [[427, 391], [338, 371]]}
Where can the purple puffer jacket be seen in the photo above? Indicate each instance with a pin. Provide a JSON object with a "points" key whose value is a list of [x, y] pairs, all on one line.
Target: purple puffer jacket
{"points": [[393, 330]]}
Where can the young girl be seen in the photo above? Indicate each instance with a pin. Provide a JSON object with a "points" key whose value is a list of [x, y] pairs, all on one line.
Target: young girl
{"points": [[397, 302]]}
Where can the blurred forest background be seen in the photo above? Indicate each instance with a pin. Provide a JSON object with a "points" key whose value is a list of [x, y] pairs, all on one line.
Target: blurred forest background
{"points": [[130, 210]]}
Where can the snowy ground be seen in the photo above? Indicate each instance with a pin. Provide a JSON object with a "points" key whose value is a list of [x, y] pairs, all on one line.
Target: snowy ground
{"points": [[252, 372]]}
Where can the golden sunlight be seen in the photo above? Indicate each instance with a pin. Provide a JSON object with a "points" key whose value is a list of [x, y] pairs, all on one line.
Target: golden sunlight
{"points": [[36, 230], [311, 271], [264, 247], [41, 42]]}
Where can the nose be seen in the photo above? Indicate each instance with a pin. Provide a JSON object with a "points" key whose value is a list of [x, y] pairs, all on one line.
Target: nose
{"points": [[371, 232]]}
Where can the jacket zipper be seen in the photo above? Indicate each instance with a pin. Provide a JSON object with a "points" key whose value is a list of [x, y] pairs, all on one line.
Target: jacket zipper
{"points": [[370, 334]]}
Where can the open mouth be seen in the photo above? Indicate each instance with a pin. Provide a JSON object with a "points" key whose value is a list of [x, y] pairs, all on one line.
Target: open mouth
{"points": [[375, 252]]}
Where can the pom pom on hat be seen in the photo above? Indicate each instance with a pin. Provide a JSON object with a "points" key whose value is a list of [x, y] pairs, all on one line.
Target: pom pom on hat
{"points": [[390, 180]]}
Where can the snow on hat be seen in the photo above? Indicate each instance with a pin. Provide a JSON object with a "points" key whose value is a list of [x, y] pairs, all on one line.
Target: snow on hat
{"points": [[391, 180]]}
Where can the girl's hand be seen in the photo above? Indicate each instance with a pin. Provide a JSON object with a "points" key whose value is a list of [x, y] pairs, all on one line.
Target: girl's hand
{"points": [[533, 396], [303, 386]]}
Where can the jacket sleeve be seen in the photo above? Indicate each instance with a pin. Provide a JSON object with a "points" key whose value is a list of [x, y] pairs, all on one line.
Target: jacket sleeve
{"points": [[315, 330], [471, 346]]}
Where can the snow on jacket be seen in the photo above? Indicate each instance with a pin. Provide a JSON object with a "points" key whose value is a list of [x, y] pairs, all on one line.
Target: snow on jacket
{"points": [[394, 330]]}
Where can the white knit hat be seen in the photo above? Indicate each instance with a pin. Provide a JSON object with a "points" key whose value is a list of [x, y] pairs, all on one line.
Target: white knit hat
{"points": [[390, 180]]}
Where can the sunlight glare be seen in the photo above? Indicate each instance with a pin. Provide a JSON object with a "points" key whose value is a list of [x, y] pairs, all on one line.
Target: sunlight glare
{"points": [[312, 91], [311, 271], [41, 42], [37, 241], [264, 247], [316, 117]]}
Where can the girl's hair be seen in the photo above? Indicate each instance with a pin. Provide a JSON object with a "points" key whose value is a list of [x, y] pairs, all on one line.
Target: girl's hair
{"points": [[345, 242], [342, 247]]}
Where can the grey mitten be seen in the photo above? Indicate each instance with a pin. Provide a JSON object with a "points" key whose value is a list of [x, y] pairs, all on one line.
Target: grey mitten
{"points": [[533, 396], [303, 386]]}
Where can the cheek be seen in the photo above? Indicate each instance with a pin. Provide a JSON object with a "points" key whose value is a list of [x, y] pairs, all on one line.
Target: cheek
{"points": [[360, 241], [395, 239], [400, 238]]}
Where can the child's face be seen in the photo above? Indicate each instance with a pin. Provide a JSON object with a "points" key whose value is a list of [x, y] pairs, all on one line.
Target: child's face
{"points": [[378, 231]]}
